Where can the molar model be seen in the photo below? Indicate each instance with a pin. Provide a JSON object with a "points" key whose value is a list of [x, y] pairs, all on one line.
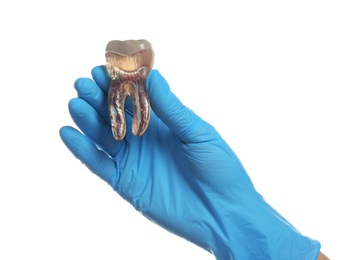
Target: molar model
{"points": [[128, 64]]}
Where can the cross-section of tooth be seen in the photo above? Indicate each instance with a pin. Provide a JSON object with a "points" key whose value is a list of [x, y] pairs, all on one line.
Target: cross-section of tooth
{"points": [[128, 64]]}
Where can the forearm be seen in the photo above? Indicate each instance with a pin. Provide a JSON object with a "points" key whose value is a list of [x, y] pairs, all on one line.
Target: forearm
{"points": [[322, 257]]}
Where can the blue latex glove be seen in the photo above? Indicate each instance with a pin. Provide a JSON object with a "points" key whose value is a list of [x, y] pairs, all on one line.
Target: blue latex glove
{"points": [[181, 174]]}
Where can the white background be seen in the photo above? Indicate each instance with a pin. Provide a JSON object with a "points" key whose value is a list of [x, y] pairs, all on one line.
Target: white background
{"points": [[267, 74]]}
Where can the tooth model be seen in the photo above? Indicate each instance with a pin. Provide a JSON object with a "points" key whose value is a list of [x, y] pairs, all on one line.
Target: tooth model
{"points": [[128, 64]]}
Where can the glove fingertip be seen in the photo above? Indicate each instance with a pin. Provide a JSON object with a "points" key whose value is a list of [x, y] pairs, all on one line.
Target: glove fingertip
{"points": [[98, 69], [186, 124], [158, 90], [169, 108], [67, 134], [84, 150], [84, 86], [101, 77], [73, 104], [63, 131]]}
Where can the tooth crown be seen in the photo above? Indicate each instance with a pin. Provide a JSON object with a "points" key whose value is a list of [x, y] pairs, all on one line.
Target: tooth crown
{"points": [[128, 64], [129, 55]]}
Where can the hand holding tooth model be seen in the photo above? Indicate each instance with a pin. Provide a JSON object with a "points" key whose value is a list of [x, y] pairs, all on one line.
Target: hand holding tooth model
{"points": [[180, 173]]}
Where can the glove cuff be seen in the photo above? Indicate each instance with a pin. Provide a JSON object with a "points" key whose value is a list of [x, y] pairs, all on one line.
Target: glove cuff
{"points": [[256, 230]]}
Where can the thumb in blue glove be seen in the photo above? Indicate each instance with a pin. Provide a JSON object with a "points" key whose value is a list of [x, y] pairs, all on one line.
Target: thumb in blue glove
{"points": [[181, 174]]}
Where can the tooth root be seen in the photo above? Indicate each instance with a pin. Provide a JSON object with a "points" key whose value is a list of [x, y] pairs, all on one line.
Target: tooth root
{"points": [[141, 109], [116, 99], [128, 64]]}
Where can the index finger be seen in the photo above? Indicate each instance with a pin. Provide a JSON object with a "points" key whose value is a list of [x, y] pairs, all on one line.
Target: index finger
{"points": [[101, 77]]}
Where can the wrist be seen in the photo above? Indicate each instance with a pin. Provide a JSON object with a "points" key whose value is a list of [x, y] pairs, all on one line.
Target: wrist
{"points": [[255, 228]]}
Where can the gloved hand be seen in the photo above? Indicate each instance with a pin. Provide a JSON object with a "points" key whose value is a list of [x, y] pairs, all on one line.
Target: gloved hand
{"points": [[181, 174]]}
